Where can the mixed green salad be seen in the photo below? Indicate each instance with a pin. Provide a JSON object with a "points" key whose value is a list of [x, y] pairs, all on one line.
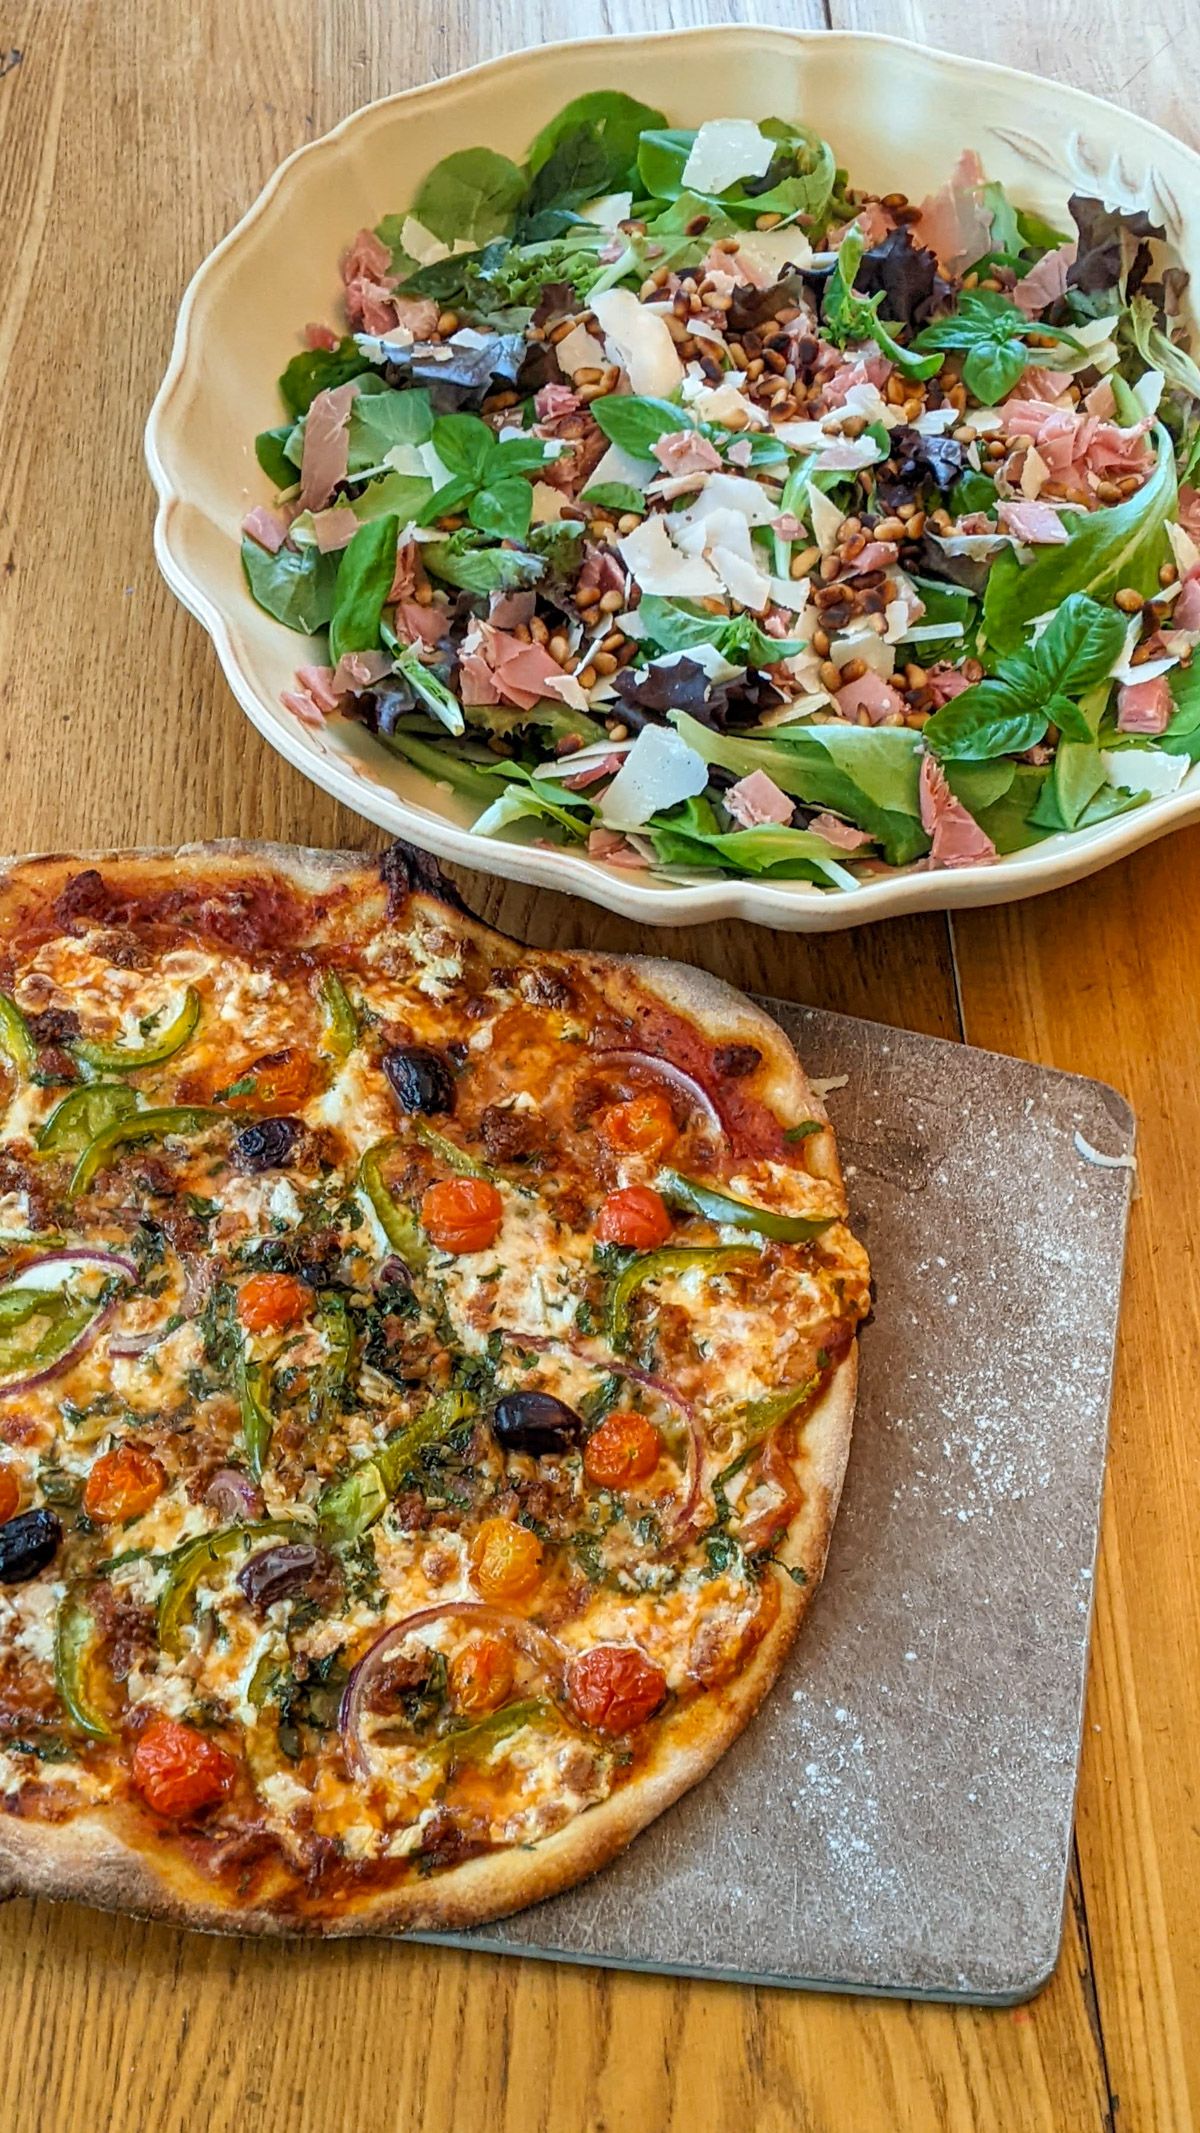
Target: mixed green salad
{"points": [[668, 497]]}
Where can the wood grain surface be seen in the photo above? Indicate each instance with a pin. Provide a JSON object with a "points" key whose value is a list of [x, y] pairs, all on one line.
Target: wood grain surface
{"points": [[131, 138]]}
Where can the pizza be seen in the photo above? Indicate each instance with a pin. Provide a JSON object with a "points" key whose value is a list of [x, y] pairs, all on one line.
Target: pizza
{"points": [[427, 1368]]}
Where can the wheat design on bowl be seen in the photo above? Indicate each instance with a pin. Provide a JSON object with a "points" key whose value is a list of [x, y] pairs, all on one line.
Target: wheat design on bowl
{"points": [[897, 116]]}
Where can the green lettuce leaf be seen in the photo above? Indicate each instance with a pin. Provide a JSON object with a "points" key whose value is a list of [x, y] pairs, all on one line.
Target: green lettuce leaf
{"points": [[869, 775]]}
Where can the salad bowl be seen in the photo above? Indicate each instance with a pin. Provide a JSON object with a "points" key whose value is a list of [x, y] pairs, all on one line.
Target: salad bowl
{"points": [[897, 115]]}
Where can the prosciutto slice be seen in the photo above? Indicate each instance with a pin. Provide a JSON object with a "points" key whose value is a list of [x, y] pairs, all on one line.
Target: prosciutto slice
{"points": [[957, 838], [1047, 281], [1144, 706], [1038, 524], [326, 445], [872, 694], [956, 222], [756, 800]]}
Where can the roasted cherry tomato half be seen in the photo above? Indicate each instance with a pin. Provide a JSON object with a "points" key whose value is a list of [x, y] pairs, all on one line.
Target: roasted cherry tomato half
{"points": [[614, 1687], [481, 1675], [635, 1216], [625, 1448], [122, 1485], [642, 1126], [506, 1560], [267, 1303], [282, 1080], [10, 1491], [462, 1214], [178, 1771]]}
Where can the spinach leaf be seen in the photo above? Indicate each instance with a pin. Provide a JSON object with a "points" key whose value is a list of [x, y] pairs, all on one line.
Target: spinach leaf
{"points": [[473, 194], [980, 785], [1076, 776], [636, 423], [364, 581], [615, 122], [576, 170], [1008, 822], [868, 775], [381, 420], [316, 370], [404, 494], [614, 496], [296, 585], [270, 452], [1182, 736], [786, 854], [661, 159], [1124, 545]]}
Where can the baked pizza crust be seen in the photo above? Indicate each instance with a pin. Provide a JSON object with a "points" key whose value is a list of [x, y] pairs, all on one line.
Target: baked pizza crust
{"points": [[100, 1857]]}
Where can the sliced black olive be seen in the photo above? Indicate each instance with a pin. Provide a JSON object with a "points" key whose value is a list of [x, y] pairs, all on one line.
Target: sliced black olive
{"points": [[276, 1573], [535, 1422], [27, 1543], [420, 1080], [267, 1144]]}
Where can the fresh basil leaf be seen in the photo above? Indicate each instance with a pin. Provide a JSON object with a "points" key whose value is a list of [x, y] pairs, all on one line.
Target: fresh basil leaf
{"points": [[473, 193], [982, 315], [518, 455], [944, 603], [270, 452], [404, 494], [317, 370], [1078, 649], [381, 420], [464, 444], [991, 369], [636, 423], [451, 497], [616, 121], [614, 496], [988, 719], [296, 585], [364, 580], [1124, 545], [462, 561], [974, 492], [503, 509]]}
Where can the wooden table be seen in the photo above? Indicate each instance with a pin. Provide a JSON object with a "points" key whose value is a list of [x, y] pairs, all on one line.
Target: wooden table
{"points": [[131, 138]]}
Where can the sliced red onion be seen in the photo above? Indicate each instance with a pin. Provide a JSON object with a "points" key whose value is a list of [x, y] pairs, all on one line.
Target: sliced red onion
{"points": [[665, 1070], [87, 1334], [544, 1651], [233, 1495]]}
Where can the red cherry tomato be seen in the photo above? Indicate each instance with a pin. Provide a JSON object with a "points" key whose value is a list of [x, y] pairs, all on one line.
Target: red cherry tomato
{"points": [[625, 1448], [643, 1126], [10, 1492], [282, 1081], [614, 1687], [635, 1215], [506, 1560], [269, 1302], [481, 1675], [178, 1772], [462, 1214], [122, 1485]]}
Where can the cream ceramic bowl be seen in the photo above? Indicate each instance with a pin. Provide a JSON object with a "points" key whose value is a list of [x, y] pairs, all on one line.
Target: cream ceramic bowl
{"points": [[897, 114]]}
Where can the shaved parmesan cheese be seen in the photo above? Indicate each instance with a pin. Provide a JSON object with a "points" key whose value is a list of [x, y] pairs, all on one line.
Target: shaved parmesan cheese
{"points": [[1122, 668], [743, 580], [791, 593], [874, 651], [768, 252], [439, 474], [659, 771], [1144, 770], [1149, 391], [644, 346], [729, 494], [728, 408], [421, 245], [609, 210], [406, 459], [621, 466], [936, 421], [579, 350], [547, 504], [826, 518], [1034, 474], [723, 151], [659, 567]]}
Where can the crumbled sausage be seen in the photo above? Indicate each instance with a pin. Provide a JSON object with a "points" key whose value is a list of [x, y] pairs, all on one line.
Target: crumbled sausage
{"points": [[509, 1136], [735, 1061], [54, 1025]]}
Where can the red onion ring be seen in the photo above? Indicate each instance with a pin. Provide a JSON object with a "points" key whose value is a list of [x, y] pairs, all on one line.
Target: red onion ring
{"points": [[233, 1494], [665, 1070], [544, 1650], [87, 1334], [133, 1344]]}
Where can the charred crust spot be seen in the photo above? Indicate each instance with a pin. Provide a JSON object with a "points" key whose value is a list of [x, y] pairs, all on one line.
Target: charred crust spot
{"points": [[54, 1025], [406, 872], [85, 899], [544, 987], [734, 1061]]}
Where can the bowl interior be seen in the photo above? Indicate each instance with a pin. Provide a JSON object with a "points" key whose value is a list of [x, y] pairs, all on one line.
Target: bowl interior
{"points": [[897, 116]]}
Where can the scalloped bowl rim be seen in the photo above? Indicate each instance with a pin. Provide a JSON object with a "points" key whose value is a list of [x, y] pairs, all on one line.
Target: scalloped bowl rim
{"points": [[791, 906]]}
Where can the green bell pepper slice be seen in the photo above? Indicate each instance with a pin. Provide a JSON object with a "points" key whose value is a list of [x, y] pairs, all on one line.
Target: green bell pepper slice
{"points": [[67, 1319], [15, 1038], [193, 1562], [398, 1223], [341, 1021], [74, 1640], [721, 1207], [351, 1505], [471, 1741], [253, 1391], [150, 1125], [120, 1059], [669, 1259], [449, 1152], [83, 1114]]}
